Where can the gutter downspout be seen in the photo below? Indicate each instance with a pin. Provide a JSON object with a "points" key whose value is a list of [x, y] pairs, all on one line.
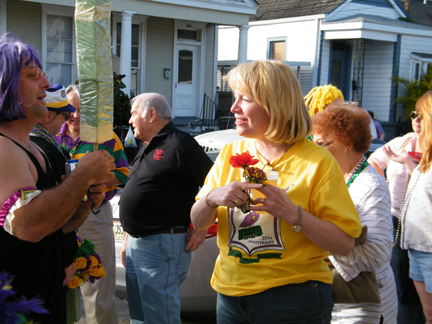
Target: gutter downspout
{"points": [[317, 65]]}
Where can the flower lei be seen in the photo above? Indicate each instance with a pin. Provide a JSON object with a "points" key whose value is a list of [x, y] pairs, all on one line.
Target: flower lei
{"points": [[88, 264], [13, 311], [252, 174]]}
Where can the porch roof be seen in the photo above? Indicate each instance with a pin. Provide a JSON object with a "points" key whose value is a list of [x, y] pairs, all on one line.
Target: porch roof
{"points": [[372, 27], [221, 12]]}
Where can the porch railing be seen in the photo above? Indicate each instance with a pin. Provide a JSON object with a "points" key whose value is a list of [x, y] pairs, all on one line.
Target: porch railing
{"points": [[211, 117]]}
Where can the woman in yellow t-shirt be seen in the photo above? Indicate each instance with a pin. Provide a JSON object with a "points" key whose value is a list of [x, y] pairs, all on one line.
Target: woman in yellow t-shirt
{"points": [[271, 265]]}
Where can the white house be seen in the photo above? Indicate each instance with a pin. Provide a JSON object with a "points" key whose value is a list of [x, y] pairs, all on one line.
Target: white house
{"points": [[164, 46], [357, 45]]}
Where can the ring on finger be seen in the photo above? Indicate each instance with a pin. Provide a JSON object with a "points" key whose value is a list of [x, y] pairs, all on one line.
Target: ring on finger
{"points": [[263, 201], [236, 201]]}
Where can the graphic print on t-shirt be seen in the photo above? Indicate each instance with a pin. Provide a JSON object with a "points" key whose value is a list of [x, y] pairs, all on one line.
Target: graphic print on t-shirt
{"points": [[253, 233]]}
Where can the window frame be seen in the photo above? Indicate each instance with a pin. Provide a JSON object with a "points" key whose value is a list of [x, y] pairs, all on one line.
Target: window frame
{"points": [[419, 64], [63, 12], [271, 40]]}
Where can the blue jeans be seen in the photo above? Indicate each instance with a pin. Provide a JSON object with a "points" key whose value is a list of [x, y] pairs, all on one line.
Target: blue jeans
{"points": [[409, 307], [306, 303], [156, 265]]}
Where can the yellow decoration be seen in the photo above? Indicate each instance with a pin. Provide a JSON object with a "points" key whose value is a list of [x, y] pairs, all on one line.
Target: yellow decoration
{"points": [[75, 283], [98, 272], [321, 96], [94, 261], [80, 263]]}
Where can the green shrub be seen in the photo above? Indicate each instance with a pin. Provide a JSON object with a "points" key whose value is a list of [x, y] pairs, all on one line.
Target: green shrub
{"points": [[121, 102], [415, 90]]}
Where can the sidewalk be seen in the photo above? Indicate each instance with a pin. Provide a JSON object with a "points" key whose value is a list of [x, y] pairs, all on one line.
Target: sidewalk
{"points": [[187, 318]]}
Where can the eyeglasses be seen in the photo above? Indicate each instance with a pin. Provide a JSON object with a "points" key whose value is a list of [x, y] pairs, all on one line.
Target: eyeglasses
{"points": [[66, 115], [37, 73], [414, 115], [324, 144]]}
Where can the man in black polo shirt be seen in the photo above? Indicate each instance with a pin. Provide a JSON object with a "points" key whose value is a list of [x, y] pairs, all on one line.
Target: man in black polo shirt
{"points": [[155, 211]]}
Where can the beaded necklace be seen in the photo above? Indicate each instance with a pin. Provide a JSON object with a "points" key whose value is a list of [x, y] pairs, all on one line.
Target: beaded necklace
{"points": [[404, 197], [40, 131], [359, 167]]}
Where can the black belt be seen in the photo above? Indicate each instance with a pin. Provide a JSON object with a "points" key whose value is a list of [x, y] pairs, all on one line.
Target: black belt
{"points": [[165, 230]]}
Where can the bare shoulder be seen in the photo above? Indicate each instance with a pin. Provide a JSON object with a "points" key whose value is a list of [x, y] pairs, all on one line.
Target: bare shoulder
{"points": [[17, 170]]}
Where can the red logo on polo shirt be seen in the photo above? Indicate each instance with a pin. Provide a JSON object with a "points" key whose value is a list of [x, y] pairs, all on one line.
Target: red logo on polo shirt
{"points": [[158, 155]]}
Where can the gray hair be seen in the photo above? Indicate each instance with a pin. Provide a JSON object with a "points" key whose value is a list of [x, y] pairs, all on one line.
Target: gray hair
{"points": [[145, 101], [74, 88]]}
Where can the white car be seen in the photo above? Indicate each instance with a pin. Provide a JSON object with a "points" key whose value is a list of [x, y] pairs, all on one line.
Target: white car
{"points": [[212, 142]]}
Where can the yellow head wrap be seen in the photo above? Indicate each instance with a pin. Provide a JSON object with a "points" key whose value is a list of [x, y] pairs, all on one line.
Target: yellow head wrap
{"points": [[321, 96]]}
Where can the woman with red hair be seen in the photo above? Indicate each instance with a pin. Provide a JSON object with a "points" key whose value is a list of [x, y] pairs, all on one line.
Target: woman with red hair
{"points": [[344, 131]]}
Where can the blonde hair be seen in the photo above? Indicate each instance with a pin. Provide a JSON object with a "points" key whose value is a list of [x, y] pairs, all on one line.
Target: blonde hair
{"points": [[274, 86], [424, 108], [321, 96]]}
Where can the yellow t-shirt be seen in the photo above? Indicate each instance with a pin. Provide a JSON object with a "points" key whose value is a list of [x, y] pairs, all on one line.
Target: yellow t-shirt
{"points": [[266, 253]]}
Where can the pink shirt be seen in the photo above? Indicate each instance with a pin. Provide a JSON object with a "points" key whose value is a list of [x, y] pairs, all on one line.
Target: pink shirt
{"points": [[397, 174]]}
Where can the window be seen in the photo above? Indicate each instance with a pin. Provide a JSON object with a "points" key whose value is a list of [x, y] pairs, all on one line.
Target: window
{"points": [[187, 34], [185, 66], [60, 49], [420, 64], [135, 62], [277, 49], [135, 44]]}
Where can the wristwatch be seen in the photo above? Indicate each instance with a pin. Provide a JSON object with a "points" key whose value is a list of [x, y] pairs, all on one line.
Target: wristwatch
{"points": [[297, 227]]}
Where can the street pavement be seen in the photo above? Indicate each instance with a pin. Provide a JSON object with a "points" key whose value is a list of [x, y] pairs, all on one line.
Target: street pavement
{"points": [[187, 318]]}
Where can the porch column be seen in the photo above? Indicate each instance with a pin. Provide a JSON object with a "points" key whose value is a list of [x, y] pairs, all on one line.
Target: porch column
{"points": [[3, 17], [242, 51], [126, 49]]}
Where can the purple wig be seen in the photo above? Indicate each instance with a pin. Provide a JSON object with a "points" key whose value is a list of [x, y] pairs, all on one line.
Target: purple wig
{"points": [[14, 55]]}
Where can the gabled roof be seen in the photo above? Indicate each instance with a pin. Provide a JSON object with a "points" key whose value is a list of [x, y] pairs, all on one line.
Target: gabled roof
{"points": [[276, 9], [420, 12], [377, 20]]}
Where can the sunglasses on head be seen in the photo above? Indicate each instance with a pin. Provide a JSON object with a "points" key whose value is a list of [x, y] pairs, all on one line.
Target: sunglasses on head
{"points": [[66, 115], [38, 73], [414, 115]]}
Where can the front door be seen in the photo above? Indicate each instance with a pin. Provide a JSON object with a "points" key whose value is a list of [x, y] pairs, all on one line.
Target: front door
{"points": [[186, 82], [340, 67]]}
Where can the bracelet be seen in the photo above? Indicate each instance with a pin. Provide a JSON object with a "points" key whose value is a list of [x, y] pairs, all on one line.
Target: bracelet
{"points": [[297, 227], [207, 201]]}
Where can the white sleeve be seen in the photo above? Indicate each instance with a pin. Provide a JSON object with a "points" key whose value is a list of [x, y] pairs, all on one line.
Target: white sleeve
{"points": [[372, 201]]}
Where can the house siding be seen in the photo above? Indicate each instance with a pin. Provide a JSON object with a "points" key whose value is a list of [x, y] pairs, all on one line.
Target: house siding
{"points": [[228, 40], [25, 20], [325, 61], [377, 79], [297, 49], [159, 55], [353, 8], [410, 44], [305, 77]]}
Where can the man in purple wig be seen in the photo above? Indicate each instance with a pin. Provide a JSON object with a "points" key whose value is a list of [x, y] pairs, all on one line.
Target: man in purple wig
{"points": [[34, 211]]}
